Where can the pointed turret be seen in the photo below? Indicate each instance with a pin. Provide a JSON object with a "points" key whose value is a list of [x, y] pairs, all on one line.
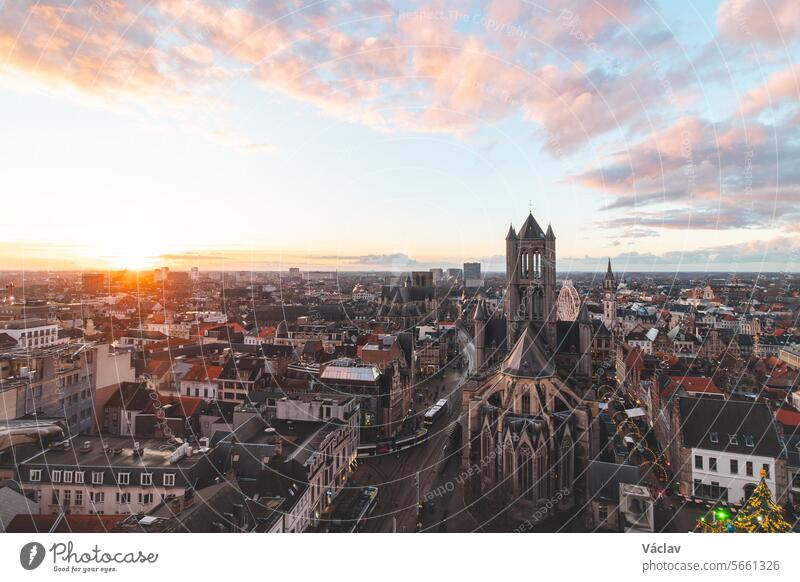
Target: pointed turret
{"points": [[583, 315], [609, 272], [550, 234], [480, 311], [530, 229], [511, 234]]}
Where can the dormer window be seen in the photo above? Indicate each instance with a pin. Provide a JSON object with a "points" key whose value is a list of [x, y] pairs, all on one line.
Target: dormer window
{"points": [[748, 440], [713, 437], [732, 439]]}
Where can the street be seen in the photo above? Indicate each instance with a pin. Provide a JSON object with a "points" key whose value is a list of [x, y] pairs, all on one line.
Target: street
{"points": [[396, 474]]}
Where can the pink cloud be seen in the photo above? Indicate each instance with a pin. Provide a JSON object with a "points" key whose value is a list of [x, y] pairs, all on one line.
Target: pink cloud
{"points": [[770, 22], [781, 87]]}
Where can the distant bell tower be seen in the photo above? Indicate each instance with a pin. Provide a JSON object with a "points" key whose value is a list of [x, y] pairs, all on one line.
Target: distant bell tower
{"points": [[531, 280], [609, 298]]}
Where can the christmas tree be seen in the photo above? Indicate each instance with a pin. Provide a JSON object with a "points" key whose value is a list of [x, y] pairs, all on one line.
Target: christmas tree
{"points": [[759, 514]]}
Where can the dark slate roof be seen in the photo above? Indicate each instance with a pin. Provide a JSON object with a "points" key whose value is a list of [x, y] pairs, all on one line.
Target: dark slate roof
{"points": [[6, 341], [495, 335], [276, 313], [407, 294], [406, 340], [245, 369], [530, 229], [569, 338], [527, 359], [700, 417], [605, 478]]}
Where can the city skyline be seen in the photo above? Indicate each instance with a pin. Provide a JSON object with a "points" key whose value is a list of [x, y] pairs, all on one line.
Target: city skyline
{"points": [[370, 136]]}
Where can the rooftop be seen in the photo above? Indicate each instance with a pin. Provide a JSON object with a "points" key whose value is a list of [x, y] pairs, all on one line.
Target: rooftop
{"points": [[118, 452]]}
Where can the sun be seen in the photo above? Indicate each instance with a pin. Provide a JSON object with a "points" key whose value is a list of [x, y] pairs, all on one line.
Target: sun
{"points": [[131, 257], [131, 263]]}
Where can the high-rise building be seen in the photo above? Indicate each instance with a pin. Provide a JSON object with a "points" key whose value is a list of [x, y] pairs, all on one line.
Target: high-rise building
{"points": [[453, 273], [92, 283], [195, 274], [161, 275], [294, 272], [438, 274], [472, 275]]}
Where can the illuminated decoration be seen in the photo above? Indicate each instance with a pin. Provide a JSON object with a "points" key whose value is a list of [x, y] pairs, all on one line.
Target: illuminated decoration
{"points": [[759, 514], [568, 304], [626, 426]]}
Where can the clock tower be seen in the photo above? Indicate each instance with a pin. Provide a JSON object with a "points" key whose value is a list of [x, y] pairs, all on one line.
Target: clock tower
{"points": [[609, 298]]}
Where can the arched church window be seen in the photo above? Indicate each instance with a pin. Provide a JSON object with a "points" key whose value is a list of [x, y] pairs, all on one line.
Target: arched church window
{"points": [[508, 462], [538, 303], [525, 472], [565, 474], [486, 445], [524, 307], [526, 403], [537, 264], [542, 473]]}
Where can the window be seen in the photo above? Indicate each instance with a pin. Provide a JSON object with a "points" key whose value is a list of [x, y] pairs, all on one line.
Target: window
{"points": [[79, 476], [146, 479], [123, 478], [54, 500], [145, 498], [712, 464], [526, 403], [748, 440], [67, 496], [732, 439], [123, 497], [55, 476], [169, 479], [97, 477], [748, 468], [765, 467], [35, 475], [698, 462], [602, 512], [97, 496], [713, 437], [734, 467], [79, 497], [67, 476]]}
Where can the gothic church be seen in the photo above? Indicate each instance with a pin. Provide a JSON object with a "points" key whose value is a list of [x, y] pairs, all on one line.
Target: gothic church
{"points": [[530, 405]]}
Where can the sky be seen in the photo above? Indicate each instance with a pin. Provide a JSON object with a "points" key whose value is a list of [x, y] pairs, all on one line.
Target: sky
{"points": [[392, 135]]}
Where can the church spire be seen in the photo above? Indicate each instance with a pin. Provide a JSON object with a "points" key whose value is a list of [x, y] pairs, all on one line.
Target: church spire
{"points": [[511, 234], [550, 234]]}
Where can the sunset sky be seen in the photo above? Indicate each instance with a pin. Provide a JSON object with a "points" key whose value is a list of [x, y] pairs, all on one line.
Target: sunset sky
{"points": [[382, 135]]}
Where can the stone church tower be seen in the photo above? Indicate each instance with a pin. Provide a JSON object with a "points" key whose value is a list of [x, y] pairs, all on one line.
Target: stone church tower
{"points": [[609, 298], [531, 279]]}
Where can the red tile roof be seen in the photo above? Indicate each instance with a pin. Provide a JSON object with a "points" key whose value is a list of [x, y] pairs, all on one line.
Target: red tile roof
{"points": [[788, 416], [187, 405], [202, 373], [693, 385]]}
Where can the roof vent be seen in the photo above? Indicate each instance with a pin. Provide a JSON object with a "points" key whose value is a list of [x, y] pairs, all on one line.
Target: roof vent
{"points": [[86, 446]]}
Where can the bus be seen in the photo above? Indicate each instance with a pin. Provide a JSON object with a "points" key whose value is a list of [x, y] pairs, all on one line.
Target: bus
{"points": [[443, 404], [433, 414]]}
